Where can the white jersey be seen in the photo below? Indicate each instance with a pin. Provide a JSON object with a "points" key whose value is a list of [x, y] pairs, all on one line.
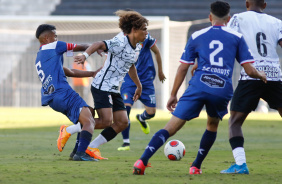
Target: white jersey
{"points": [[262, 33], [121, 56]]}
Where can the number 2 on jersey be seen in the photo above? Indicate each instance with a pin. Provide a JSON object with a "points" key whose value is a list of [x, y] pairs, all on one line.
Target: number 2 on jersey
{"points": [[40, 72], [215, 52]]}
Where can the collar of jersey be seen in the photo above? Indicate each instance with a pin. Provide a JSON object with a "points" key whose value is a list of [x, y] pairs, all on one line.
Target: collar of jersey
{"points": [[130, 43], [256, 11]]}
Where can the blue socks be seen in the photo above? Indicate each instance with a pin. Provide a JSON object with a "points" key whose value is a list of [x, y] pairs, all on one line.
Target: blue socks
{"points": [[76, 143], [206, 143], [145, 115], [84, 140], [125, 133], [156, 142]]}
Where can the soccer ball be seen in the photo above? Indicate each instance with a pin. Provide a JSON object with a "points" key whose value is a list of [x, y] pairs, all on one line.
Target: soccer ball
{"points": [[174, 150]]}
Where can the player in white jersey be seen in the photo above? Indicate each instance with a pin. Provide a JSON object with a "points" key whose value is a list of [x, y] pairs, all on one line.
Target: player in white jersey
{"points": [[123, 51], [262, 33]]}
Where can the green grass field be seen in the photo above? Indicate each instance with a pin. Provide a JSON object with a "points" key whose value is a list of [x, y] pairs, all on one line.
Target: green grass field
{"points": [[29, 153]]}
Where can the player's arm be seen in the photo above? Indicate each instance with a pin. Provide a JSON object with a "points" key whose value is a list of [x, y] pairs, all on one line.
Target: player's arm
{"points": [[80, 73], [252, 72], [179, 78], [90, 50], [80, 47], [157, 53], [133, 75]]}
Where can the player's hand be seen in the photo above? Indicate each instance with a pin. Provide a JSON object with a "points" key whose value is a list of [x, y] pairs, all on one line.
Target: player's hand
{"points": [[194, 69], [171, 104], [79, 59], [162, 76], [263, 76], [137, 94]]}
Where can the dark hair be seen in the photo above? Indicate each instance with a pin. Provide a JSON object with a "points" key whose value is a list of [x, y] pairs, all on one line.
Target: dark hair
{"points": [[258, 2], [130, 19], [220, 8], [42, 28]]}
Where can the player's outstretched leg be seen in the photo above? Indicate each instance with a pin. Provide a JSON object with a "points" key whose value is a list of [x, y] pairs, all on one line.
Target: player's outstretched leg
{"points": [[141, 118], [156, 142]]}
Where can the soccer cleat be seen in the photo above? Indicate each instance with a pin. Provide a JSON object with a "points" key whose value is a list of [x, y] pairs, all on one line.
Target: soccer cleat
{"points": [[195, 170], [124, 147], [144, 125], [71, 155], [81, 156], [139, 167], [63, 138], [95, 153], [236, 169]]}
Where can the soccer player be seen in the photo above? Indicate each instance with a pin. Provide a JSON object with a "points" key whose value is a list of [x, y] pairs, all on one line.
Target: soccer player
{"points": [[262, 33], [123, 51], [215, 48], [146, 73], [56, 92]]}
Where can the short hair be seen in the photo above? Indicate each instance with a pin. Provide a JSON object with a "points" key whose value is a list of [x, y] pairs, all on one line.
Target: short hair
{"points": [[42, 28], [258, 2], [129, 19], [220, 8]]}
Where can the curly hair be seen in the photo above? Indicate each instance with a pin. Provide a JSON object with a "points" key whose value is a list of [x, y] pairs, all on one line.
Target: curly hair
{"points": [[130, 19], [220, 9]]}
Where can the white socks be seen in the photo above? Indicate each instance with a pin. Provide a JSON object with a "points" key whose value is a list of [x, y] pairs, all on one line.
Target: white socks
{"points": [[239, 155], [74, 128], [99, 140], [126, 141]]}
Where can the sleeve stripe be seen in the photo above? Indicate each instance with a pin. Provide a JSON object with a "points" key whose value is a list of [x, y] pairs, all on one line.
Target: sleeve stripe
{"points": [[187, 62], [153, 44], [247, 61]]}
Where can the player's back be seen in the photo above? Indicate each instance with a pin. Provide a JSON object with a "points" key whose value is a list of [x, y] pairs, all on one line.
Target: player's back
{"points": [[261, 32], [215, 48], [49, 66]]}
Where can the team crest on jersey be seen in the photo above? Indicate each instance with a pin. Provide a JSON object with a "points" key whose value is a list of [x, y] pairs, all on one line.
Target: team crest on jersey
{"points": [[110, 99], [125, 96], [212, 81]]}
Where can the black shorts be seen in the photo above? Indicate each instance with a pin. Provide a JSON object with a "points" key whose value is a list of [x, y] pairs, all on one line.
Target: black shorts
{"points": [[249, 92], [105, 99]]}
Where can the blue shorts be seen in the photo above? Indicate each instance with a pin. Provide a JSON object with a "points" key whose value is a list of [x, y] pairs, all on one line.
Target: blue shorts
{"points": [[147, 97], [69, 103], [193, 100]]}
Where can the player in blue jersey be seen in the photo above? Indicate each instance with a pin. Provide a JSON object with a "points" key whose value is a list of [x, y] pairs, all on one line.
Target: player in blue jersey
{"points": [[56, 92], [215, 49], [146, 73]]}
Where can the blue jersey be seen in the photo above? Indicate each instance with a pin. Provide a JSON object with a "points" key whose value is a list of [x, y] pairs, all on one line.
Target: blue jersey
{"points": [[144, 65], [215, 49], [49, 66]]}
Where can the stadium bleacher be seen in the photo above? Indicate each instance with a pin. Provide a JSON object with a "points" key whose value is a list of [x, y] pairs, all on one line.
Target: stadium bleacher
{"points": [[181, 10]]}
